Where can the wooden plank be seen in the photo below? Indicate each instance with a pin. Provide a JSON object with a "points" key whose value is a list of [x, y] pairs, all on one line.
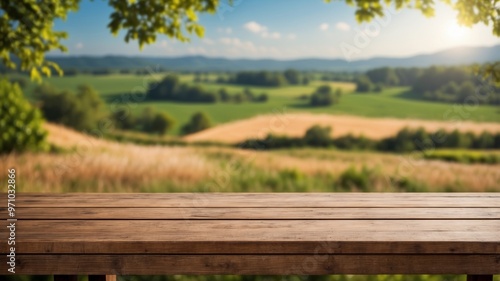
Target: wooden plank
{"points": [[239, 200], [103, 213], [258, 264], [258, 236]]}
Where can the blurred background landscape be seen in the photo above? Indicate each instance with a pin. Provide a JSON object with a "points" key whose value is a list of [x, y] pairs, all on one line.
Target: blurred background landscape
{"points": [[273, 98]]}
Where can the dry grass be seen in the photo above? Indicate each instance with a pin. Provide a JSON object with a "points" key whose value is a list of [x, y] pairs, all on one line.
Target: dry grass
{"points": [[296, 124], [437, 175], [96, 165], [103, 165]]}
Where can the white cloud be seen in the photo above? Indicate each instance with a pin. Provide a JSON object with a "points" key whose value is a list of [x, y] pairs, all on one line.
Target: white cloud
{"points": [[238, 47], [324, 26], [255, 27], [292, 36], [343, 26], [163, 43], [261, 30], [79, 45]]}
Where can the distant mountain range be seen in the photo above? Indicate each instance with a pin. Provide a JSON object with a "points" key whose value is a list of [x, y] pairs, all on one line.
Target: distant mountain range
{"points": [[455, 56]]}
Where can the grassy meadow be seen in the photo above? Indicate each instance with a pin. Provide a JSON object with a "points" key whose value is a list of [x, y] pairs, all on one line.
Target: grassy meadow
{"points": [[87, 164], [392, 102], [131, 161], [83, 163]]}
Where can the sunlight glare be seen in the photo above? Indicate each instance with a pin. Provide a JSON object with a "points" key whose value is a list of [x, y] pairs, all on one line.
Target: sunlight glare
{"points": [[456, 32]]}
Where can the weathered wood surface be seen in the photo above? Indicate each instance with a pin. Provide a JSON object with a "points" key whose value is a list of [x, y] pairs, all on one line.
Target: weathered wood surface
{"points": [[259, 200], [279, 233], [262, 264], [252, 213], [269, 236]]}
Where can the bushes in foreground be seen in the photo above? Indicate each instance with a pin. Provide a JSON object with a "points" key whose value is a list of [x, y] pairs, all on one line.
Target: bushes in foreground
{"points": [[81, 111], [20, 123]]}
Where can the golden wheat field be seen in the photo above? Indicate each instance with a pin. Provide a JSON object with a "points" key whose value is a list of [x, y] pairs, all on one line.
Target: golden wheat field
{"points": [[95, 165], [108, 166], [296, 124]]}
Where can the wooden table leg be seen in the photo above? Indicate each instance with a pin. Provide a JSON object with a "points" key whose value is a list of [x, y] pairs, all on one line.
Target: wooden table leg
{"points": [[102, 277], [479, 277]]}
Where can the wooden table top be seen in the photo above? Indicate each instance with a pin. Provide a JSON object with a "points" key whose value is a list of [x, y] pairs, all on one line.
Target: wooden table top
{"points": [[252, 233]]}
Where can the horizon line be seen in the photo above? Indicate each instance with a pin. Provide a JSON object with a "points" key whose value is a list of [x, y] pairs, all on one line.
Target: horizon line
{"points": [[67, 55]]}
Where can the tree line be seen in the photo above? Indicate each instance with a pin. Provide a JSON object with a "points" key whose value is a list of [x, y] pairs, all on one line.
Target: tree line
{"points": [[266, 78], [85, 110], [406, 140], [170, 88], [324, 95], [445, 84]]}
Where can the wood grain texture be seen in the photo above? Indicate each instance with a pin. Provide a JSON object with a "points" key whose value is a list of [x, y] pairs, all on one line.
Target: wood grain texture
{"points": [[257, 236], [258, 264], [250, 233], [104, 213], [295, 200]]}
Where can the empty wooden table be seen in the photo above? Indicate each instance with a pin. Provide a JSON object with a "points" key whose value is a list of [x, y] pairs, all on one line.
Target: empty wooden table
{"points": [[255, 233]]}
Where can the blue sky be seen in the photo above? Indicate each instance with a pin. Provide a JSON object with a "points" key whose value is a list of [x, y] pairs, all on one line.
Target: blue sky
{"points": [[284, 29]]}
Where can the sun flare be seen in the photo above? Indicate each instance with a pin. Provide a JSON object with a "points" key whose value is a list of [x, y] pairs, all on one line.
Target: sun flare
{"points": [[455, 31]]}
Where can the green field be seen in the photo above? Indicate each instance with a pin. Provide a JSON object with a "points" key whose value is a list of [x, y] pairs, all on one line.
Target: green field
{"points": [[465, 156], [394, 102]]}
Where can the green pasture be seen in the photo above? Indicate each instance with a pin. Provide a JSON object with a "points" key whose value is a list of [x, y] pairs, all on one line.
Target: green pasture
{"points": [[393, 102]]}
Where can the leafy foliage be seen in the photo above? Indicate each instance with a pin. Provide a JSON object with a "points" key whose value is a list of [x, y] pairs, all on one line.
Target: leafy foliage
{"points": [[124, 120], [292, 76], [149, 121], [318, 136], [198, 122], [385, 75], [325, 96], [469, 12], [161, 123], [406, 140], [20, 123], [268, 78], [464, 156], [259, 78], [363, 84], [357, 180], [445, 84], [26, 26], [81, 111], [455, 84], [170, 88], [26, 32]]}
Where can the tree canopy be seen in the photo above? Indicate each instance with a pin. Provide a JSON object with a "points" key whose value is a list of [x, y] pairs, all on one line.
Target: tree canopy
{"points": [[27, 26], [20, 122]]}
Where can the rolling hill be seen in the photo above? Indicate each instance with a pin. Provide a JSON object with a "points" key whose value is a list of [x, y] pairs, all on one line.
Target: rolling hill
{"points": [[455, 56]]}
